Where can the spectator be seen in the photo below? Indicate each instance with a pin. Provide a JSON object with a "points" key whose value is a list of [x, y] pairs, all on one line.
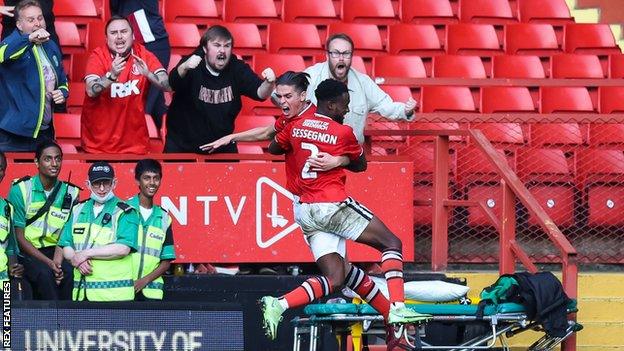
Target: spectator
{"points": [[9, 267], [117, 79], [155, 253], [366, 96], [31, 81], [41, 207], [8, 20], [98, 239], [149, 30], [207, 93]]}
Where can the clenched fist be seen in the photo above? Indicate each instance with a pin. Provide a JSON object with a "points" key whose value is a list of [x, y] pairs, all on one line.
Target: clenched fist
{"points": [[268, 75], [193, 62], [410, 105]]}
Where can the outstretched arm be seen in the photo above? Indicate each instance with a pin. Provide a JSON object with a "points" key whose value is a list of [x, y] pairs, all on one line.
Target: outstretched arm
{"points": [[255, 134]]}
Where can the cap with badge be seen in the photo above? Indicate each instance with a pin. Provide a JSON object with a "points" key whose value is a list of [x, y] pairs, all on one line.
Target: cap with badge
{"points": [[101, 170]]}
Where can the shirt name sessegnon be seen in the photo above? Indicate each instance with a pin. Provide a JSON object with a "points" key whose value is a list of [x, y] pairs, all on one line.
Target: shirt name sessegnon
{"points": [[315, 136]]}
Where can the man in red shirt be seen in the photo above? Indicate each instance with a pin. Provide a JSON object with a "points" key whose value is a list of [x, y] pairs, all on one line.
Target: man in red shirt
{"points": [[328, 216], [117, 79]]}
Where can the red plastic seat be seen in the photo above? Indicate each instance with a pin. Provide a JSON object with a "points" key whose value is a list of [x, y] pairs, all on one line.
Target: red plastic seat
{"points": [[368, 11], [67, 128], [548, 177], [69, 37], [446, 99], [95, 36], [516, 66], [616, 66], [366, 37], [244, 148], [190, 11], [501, 133], [601, 134], [75, 100], [506, 99], [611, 99], [280, 63], [156, 142], [68, 149], [426, 11], [78, 67], [259, 108], [174, 59], [398, 92], [78, 12], [472, 39], [414, 39], [250, 11], [485, 11], [565, 99], [399, 66], [246, 122], [314, 12], [183, 37], [589, 38], [281, 40], [247, 40], [544, 11], [433, 126], [458, 66], [576, 66], [555, 134], [531, 39]]}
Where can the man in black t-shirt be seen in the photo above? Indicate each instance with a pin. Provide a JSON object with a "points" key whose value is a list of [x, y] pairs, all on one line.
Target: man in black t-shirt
{"points": [[207, 93]]}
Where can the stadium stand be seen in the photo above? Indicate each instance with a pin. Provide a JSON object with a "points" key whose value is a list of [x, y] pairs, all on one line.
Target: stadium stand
{"points": [[516, 66], [488, 11], [425, 11], [576, 66], [472, 39], [314, 12], [190, 11], [377, 12], [458, 66], [414, 39], [544, 11], [531, 39], [250, 11], [282, 41], [399, 66]]}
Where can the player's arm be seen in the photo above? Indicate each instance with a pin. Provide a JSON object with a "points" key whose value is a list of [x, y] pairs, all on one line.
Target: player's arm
{"points": [[255, 134], [323, 162], [275, 148], [358, 165]]}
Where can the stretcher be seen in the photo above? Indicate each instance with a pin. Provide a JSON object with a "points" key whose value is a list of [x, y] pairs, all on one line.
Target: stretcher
{"points": [[498, 323]]}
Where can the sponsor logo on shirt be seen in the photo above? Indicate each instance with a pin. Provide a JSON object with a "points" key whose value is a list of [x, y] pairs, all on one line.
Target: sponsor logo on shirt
{"points": [[121, 90], [220, 96], [316, 124]]}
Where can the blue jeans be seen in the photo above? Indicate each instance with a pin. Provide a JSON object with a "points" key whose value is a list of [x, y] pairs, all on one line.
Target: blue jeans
{"points": [[10, 142]]}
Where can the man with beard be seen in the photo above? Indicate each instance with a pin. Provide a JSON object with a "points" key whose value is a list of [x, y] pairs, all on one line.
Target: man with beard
{"points": [[117, 78], [41, 207], [207, 93], [155, 243], [366, 96], [98, 239]]}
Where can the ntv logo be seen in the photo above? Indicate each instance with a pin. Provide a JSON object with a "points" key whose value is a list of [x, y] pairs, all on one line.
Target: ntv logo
{"points": [[122, 90]]}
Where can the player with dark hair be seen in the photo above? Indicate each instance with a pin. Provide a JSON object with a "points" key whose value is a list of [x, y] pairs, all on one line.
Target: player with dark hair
{"points": [[328, 216]]}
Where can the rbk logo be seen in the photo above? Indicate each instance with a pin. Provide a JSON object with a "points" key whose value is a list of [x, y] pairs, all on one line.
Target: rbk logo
{"points": [[125, 89], [277, 219]]}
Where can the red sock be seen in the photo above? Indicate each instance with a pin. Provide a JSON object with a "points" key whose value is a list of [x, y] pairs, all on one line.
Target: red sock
{"points": [[310, 290], [364, 286], [392, 265]]}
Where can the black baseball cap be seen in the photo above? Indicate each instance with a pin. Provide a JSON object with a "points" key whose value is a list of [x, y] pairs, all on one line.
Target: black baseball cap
{"points": [[101, 170]]}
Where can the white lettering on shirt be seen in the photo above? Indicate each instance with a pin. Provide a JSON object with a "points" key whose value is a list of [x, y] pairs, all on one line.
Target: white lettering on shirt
{"points": [[316, 136], [220, 96], [122, 90], [316, 124]]}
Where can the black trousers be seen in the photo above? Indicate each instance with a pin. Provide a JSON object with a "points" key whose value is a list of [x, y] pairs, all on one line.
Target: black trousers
{"points": [[41, 277]]}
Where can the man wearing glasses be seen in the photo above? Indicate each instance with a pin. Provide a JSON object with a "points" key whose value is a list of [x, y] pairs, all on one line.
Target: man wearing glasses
{"points": [[366, 96]]}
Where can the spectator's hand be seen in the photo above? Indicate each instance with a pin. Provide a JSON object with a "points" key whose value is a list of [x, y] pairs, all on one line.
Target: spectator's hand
{"points": [[57, 96], [39, 36], [85, 268], [16, 270], [193, 62], [140, 284], [78, 259], [268, 75], [210, 147], [324, 162], [410, 106], [141, 65], [7, 11], [117, 66]]}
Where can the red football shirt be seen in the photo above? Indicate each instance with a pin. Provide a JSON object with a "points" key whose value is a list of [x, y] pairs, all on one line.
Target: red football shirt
{"points": [[307, 136], [114, 121]]}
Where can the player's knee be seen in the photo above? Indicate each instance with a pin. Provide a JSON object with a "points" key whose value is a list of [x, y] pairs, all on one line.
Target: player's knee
{"points": [[391, 241], [336, 280]]}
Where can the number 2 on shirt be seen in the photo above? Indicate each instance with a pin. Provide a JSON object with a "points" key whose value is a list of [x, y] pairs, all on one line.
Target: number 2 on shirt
{"points": [[305, 171]]}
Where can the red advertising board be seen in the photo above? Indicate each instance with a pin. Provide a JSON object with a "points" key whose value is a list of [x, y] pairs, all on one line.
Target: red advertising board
{"points": [[240, 212]]}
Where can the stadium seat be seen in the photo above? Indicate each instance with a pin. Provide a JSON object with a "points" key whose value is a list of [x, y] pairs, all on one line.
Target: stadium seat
{"points": [[414, 39], [485, 11], [67, 128], [604, 134], [589, 38], [611, 99], [68, 149], [281, 39], [433, 126], [472, 39], [247, 40], [517, 66], [244, 148], [95, 36], [314, 12], [366, 37], [544, 11], [75, 100], [600, 176], [280, 63], [386, 141], [398, 66], [245, 122], [446, 99], [174, 59], [69, 37], [368, 11], [260, 108], [398, 92], [508, 134], [506, 99], [458, 66], [548, 177], [426, 11], [250, 11], [616, 66], [555, 134], [190, 11], [183, 37], [78, 67], [565, 99], [78, 12], [575, 66], [530, 39]]}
